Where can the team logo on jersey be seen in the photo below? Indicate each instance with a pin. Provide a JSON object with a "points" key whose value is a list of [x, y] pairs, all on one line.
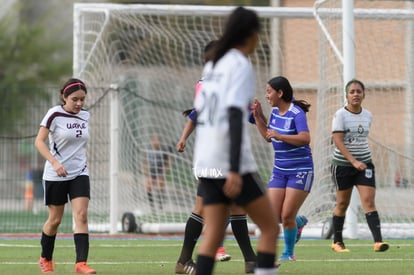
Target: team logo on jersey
{"points": [[360, 129], [207, 172], [288, 122]]}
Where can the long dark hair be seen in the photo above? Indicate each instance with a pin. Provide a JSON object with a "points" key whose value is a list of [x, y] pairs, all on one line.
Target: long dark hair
{"points": [[240, 25], [281, 83]]}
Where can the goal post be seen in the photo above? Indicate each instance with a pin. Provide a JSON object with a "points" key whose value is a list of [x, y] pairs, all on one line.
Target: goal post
{"points": [[141, 63]]}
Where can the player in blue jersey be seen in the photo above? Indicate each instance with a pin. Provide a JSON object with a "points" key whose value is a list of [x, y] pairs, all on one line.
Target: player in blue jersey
{"points": [[352, 165], [292, 176], [66, 176], [223, 157]]}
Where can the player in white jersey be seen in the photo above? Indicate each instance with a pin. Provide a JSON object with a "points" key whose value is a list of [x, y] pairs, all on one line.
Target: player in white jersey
{"points": [[352, 165], [223, 158], [65, 175], [194, 224]]}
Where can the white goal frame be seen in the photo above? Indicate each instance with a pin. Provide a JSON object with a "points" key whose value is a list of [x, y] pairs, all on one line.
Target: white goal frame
{"points": [[346, 58]]}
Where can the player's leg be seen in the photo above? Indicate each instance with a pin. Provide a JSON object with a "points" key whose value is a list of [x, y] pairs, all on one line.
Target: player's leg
{"points": [[268, 225], [48, 237], [301, 221], [215, 218], [294, 199], [55, 199], [254, 200], [344, 180], [343, 198], [79, 196], [238, 221], [193, 229], [367, 196]]}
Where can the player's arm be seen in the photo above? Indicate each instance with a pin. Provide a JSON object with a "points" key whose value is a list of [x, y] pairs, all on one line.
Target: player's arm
{"points": [[233, 184], [300, 139], [41, 146], [259, 119], [338, 139], [188, 129]]}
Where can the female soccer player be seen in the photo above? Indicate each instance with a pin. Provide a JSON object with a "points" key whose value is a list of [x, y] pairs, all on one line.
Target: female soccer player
{"points": [[352, 165], [292, 176], [194, 225], [66, 172], [223, 158]]}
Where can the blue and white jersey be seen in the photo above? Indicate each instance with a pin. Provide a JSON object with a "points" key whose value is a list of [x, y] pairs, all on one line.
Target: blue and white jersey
{"points": [[230, 83], [68, 137], [289, 158]]}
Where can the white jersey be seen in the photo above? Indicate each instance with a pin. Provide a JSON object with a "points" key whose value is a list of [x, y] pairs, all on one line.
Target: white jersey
{"points": [[356, 130], [230, 83], [68, 137]]}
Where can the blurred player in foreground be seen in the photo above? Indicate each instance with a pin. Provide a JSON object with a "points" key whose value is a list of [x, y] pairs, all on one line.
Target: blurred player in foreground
{"points": [[223, 158]]}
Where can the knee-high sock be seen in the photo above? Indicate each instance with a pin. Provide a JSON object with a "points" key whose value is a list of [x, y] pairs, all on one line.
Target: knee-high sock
{"points": [[205, 265], [374, 225], [81, 246], [241, 233], [289, 236], [48, 245], [193, 229], [338, 226], [265, 264]]}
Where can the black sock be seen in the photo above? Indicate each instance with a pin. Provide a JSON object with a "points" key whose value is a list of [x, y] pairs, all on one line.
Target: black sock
{"points": [[265, 260], [81, 246], [338, 227], [241, 233], [374, 225], [205, 265], [48, 245], [193, 229]]}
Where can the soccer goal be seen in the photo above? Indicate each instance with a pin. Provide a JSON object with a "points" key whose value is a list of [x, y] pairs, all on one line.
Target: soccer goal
{"points": [[141, 63]]}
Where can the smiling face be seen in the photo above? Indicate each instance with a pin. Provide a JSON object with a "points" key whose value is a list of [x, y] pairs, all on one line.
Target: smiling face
{"points": [[355, 95], [74, 102], [273, 97]]}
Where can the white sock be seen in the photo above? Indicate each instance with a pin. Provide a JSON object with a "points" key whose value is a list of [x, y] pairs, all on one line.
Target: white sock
{"points": [[265, 271]]}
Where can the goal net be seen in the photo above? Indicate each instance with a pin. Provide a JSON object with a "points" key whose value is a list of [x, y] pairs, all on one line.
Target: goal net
{"points": [[141, 63]]}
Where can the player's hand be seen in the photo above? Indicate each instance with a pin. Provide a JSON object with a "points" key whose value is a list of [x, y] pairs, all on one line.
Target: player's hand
{"points": [[180, 146], [256, 108], [60, 170], [359, 165], [233, 185], [272, 134]]}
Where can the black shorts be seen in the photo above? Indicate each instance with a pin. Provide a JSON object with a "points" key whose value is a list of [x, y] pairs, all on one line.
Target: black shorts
{"points": [[212, 190], [60, 192], [199, 189], [345, 177]]}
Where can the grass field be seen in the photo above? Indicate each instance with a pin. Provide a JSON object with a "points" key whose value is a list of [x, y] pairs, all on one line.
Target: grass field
{"points": [[158, 256]]}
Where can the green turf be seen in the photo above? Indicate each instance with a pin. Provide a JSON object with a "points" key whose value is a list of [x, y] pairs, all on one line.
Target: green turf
{"points": [[138, 256]]}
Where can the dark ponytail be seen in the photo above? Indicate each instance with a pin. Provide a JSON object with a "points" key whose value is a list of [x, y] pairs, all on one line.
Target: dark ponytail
{"points": [[241, 24], [281, 83]]}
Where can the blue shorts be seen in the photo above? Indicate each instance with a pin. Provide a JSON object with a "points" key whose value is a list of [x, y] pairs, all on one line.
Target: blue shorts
{"points": [[301, 180]]}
